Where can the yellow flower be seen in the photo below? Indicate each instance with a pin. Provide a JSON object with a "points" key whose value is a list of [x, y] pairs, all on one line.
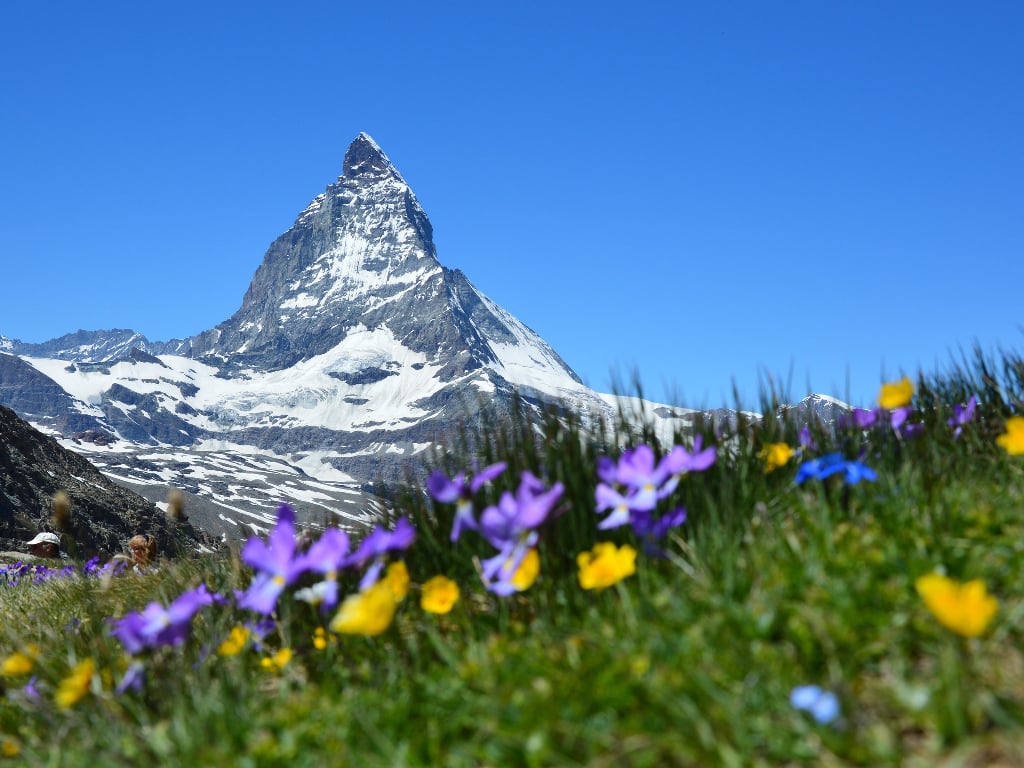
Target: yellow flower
{"points": [[397, 579], [75, 686], [967, 608], [366, 613], [321, 639], [896, 394], [278, 661], [605, 565], [20, 662], [439, 595], [775, 455], [235, 642], [527, 571], [1013, 439], [9, 748]]}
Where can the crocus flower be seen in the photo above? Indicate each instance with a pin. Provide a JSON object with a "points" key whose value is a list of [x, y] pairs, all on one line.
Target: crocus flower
{"points": [[605, 565], [461, 491], [962, 414], [896, 394], [1012, 441], [439, 595], [275, 562], [821, 704], [967, 608]]}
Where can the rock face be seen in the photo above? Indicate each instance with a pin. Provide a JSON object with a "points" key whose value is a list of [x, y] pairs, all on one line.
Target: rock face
{"points": [[104, 515], [353, 352]]}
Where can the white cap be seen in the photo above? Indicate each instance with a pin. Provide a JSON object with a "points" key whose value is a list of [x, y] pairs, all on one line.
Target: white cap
{"points": [[44, 538]]}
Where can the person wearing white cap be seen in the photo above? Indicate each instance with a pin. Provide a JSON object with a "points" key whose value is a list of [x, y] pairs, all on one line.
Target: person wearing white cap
{"points": [[44, 544]]}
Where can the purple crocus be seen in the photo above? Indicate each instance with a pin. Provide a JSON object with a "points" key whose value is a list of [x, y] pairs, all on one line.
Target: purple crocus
{"points": [[275, 562], [460, 491], [376, 546], [963, 414]]}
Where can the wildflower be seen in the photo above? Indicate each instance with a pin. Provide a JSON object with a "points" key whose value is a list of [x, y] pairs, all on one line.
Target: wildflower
{"points": [[275, 562], [277, 661], [76, 685], [834, 463], [1013, 439], [967, 608], [679, 461], [20, 662], [461, 491], [646, 482], [776, 455], [439, 595], [368, 612], [133, 678], [235, 642], [9, 747], [806, 439], [527, 572], [651, 531], [397, 578], [821, 704], [156, 625], [605, 565], [321, 639], [326, 556], [376, 546], [896, 394], [962, 414]]}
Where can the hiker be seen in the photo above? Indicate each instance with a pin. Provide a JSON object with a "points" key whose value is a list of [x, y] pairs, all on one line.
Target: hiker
{"points": [[144, 550], [45, 544]]}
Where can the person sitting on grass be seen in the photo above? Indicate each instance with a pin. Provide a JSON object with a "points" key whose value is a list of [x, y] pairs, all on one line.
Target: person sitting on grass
{"points": [[144, 551], [45, 545]]}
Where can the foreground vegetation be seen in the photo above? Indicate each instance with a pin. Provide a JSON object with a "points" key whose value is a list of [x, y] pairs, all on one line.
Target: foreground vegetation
{"points": [[846, 595]]}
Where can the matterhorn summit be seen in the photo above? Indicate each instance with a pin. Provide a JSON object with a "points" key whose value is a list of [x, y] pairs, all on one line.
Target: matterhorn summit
{"points": [[353, 351]]}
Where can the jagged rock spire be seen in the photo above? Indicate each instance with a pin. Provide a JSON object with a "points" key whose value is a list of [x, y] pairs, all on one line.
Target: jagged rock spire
{"points": [[365, 158]]}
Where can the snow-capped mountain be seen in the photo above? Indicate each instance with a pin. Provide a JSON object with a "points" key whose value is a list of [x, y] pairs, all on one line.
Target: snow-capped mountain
{"points": [[353, 351]]}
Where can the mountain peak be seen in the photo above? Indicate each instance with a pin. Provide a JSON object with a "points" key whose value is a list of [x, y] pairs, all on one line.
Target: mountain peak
{"points": [[365, 158]]}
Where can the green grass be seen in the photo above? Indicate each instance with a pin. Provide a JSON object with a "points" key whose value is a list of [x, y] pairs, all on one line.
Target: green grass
{"points": [[688, 662]]}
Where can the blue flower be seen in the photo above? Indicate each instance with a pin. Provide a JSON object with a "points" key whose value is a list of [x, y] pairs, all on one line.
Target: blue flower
{"points": [[832, 464], [821, 704]]}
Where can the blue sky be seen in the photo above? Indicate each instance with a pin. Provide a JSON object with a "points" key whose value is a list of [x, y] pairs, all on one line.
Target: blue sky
{"points": [[825, 194]]}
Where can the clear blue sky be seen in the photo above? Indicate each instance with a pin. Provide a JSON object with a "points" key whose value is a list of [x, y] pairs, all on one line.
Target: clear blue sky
{"points": [[702, 193]]}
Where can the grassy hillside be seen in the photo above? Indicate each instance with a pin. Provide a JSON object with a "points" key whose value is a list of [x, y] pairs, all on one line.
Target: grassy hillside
{"points": [[834, 597]]}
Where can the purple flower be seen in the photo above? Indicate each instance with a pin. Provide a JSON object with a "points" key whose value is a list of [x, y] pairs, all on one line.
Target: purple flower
{"points": [[156, 625], [821, 704], [651, 531], [680, 461], [514, 517], [498, 571], [963, 414], [133, 678], [327, 556], [376, 546], [461, 492], [275, 562]]}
